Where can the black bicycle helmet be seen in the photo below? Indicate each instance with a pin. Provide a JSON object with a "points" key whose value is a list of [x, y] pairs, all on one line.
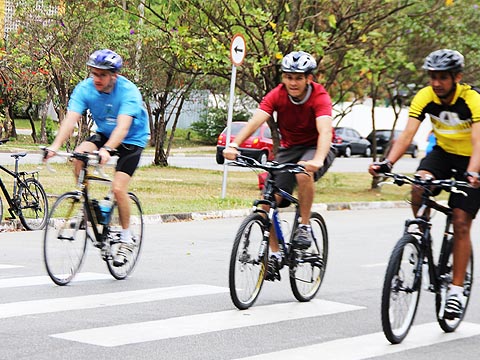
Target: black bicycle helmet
{"points": [[444, 60], [298, 62], [106, 60]]}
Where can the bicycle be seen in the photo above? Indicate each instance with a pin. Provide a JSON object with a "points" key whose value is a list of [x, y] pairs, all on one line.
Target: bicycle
{"points": [[412, 261], [76, 216], [249, 256], [28, 199]]}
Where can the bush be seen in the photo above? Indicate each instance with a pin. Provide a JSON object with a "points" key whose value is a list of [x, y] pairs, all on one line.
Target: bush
{"points": [[50, 129], [213, 121]]}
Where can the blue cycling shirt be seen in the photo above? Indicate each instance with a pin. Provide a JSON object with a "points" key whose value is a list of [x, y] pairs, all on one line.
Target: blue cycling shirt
{"points": [[125, 99]]}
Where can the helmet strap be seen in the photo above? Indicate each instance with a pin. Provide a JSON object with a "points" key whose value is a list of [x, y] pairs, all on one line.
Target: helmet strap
{"points": [[452, 90], [298, 101]]}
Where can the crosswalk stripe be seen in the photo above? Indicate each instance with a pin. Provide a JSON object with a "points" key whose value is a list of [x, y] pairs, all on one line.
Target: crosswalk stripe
{"points": [[203, 323], [372, 345], [5, 266], [44, 280], [108, 299]]}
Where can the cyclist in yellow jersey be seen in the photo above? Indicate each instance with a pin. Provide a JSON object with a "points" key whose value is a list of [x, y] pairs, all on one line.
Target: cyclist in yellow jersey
{"points": [[454, 111]]}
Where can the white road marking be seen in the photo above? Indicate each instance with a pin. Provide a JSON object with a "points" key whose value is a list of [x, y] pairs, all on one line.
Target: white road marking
{"points": [[375, 265], [372, 345], [5, 266], [203, 323], [101, 300], [44, 280]]}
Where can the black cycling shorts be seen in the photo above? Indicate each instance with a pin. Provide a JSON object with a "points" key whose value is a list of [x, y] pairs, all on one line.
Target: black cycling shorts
{"points": [[444, 165], [128, 155], [287, 181]]}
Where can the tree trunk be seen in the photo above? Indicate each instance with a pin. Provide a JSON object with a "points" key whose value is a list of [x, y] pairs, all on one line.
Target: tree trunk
{"points": [[32, 122]]}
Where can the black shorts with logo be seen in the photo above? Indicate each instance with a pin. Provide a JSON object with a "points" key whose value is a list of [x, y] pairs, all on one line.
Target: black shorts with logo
{"points": [[128, 155], [444, 165]]}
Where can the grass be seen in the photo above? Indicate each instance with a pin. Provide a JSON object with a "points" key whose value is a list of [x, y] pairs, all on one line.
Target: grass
{"points": [[178, 190]]}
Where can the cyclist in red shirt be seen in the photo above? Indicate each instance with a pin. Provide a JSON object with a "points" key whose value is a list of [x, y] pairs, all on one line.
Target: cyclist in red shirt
{"points": [[302, 110]]}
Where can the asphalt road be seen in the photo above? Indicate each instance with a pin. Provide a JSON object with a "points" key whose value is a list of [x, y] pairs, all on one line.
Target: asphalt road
{"points": [[177, 306]]}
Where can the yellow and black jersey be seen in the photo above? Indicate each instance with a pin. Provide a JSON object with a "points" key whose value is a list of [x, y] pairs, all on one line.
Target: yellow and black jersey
{"points": [[452, 124]]}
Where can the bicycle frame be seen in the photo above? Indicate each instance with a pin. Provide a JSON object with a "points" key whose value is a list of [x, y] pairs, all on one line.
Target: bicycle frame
{"points": [[422, 219], [273, 214], [84, 178], [16, 179]]}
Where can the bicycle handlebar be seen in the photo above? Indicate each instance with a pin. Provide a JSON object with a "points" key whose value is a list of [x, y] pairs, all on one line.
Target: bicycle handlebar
{"points": [[245, 161], [426, 183], [89, 159]]}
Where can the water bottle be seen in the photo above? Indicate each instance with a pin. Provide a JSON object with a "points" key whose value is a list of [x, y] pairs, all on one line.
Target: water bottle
{"points": [[105, 207]]}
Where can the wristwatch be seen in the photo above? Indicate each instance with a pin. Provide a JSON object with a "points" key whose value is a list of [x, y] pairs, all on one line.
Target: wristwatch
{"points": [[233, 145], [108, 148]]}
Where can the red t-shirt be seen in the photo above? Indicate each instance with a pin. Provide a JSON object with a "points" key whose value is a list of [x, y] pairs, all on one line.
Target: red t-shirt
{"points": [[297, 123]]}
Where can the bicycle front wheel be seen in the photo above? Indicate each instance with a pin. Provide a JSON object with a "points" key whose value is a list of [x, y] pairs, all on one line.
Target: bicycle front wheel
{"points": [[248, 261], [136, 229], [401, 289], [65, 238], [446, 273], [307, 270], [32, 205]]}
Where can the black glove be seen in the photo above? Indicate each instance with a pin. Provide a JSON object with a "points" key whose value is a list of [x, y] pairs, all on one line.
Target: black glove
{"points": [[384, 166]]}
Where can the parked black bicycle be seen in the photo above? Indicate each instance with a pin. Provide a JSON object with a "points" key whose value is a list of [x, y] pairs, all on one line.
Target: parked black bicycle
{"points": [[76, 216], [412, 256], [249, 257], [28, 200]]}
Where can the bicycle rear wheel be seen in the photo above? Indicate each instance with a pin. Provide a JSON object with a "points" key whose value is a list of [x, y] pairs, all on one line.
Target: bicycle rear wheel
{"points": [[65, 238], [136, 229], [307, 270], [446, 272], [401, 289], [32, 205], [248, 264]]}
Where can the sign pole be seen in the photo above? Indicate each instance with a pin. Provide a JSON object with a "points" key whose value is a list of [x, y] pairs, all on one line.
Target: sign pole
{"points": [[237, 54], [229, 125]]}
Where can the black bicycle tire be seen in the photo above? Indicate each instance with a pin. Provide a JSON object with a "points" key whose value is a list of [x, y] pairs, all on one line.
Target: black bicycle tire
{"points": [[294, 280], [451, 325], [391, 273], [250, 220], [1, 210], [52, 225], [122, 272], [42, 194]]}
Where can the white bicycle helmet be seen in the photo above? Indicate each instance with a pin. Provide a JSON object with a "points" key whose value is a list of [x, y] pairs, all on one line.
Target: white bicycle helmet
{"points": [[106, 60], [298, 62], [444, 60]]}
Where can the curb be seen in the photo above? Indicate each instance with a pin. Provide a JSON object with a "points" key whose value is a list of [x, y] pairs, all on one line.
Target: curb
{"points": [[222, 214], [15, 225]]}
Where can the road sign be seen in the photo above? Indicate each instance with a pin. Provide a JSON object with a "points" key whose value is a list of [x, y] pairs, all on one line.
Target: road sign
{"points": [[237, 49]]}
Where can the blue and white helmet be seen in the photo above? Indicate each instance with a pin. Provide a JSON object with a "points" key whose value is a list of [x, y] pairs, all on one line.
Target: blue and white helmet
{"points": [[298, 62], [444, 60], [106, 60]]}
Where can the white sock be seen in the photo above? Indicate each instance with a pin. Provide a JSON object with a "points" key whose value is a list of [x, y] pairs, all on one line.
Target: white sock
{"points": [[277, 254], [455, 290], [126, 236]]}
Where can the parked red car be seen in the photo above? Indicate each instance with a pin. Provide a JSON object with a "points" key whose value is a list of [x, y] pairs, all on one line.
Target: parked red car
{"points": [[258, 146]]}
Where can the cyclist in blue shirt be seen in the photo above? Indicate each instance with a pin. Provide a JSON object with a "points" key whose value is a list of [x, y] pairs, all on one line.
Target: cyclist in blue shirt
{"points": [[117, 109]]}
